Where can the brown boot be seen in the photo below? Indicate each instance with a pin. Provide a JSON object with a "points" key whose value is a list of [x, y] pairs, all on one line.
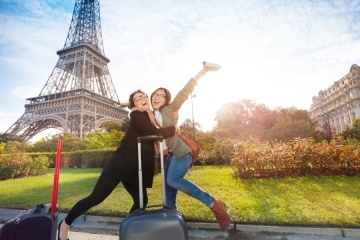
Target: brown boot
{"points": [[222, 216]]}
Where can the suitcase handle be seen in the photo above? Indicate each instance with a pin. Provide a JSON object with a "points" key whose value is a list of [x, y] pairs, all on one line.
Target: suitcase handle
{"points": [[149, 137], [141, 193], [39, 207], [154, 206]]}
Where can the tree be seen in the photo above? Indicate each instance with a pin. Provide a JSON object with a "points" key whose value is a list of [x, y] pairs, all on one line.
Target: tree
{"points": [[6, 137], [100, 140], [125, 124], [299, 114], [242, 118], [108, 126], [49, 144], [13, 147], [187, 127], [2, 147], [291, 123], [287, 129], [327, 131], [352, 132]]}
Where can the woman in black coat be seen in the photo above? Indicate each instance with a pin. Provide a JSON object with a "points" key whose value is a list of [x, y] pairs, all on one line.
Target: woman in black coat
{"points": [[122, 166]]}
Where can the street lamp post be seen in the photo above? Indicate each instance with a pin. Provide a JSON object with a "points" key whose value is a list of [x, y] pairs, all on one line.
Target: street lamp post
{"points": [[193, 95]]}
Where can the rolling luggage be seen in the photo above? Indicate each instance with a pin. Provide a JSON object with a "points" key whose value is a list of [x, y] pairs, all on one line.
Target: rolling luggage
{"points": [[152, 223], [40, 222]]}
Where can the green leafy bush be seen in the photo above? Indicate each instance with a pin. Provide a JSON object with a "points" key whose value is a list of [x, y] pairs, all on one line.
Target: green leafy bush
{"points": [[20, 165], [95, 158], [71, 159], [219, 153], [299, 157], [84, 159]]}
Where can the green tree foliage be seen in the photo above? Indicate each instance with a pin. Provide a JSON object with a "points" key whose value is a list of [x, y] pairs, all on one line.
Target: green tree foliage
{"points": [[109, 136], [6, 137], [125, 125], [42, 145], [49, 144], [71, 143], [293, 113], [103, 140], [242, 118], [187, 127], [291, 123], [13, 147], [287, 129], [108, 126], [2, 148], [327, 132], [354, 131], [246, 118]]}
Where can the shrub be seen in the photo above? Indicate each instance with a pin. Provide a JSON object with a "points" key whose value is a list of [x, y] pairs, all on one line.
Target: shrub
{"points": [[84, 159], [51, 156], [218, 153], [18, 165], [299, 157], [72, 159], [95, 158], [39, 165]]}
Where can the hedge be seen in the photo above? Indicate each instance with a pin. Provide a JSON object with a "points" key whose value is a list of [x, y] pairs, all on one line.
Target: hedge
{"points": [[300, 157]]}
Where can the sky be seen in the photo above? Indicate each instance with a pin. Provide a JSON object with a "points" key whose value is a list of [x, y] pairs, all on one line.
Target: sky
{"points": [[279, 53]]}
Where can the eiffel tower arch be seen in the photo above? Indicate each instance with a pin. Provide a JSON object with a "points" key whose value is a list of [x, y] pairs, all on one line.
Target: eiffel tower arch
{"points": [[79, 95]]}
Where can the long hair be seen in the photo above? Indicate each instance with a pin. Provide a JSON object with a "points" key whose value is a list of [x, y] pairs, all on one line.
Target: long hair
{"points": [[167, 96]]}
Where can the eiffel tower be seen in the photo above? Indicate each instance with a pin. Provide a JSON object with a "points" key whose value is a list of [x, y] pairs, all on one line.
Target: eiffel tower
{"points": [[79, 95]]}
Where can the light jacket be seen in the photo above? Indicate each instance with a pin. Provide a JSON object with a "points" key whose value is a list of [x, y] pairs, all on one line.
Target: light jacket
{"points": [[177, 146]]}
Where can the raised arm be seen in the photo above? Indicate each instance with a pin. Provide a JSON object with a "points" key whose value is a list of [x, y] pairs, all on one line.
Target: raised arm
{"points": [[185, 92]]}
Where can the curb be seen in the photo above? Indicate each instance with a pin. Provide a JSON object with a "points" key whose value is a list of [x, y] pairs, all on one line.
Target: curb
{"points": [[315, 231], [113, 223]]}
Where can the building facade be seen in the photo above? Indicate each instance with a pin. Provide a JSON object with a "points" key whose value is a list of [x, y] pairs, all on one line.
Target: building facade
{"points": [[336, 108]]}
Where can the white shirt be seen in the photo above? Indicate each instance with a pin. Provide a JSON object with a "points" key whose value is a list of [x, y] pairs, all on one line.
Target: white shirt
{"points": [[159, 120]]}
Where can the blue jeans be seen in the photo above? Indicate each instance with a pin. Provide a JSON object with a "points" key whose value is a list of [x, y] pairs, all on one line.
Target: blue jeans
{"points": [[175, 170]]}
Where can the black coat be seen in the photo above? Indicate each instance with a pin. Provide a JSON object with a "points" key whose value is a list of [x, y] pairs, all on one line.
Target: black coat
{"points": [[123, 164]]}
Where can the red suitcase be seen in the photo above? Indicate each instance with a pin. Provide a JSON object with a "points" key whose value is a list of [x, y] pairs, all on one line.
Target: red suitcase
{"points": [[153, 224], [40, 222]]}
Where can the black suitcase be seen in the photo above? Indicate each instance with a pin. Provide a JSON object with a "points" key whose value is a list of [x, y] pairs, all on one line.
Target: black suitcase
{"points": [[36, 223], [40, 222], [153, 224]]}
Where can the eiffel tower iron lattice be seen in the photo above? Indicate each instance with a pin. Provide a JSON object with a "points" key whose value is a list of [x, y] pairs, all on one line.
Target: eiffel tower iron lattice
{"points": [[79, 95]]}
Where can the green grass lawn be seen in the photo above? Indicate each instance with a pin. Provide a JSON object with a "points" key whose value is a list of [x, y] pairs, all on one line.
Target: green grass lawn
{"points": [[310, 201]]}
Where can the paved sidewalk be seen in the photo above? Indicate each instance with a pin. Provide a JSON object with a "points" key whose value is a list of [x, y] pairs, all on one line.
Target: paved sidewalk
{"points": [[88, 227]]}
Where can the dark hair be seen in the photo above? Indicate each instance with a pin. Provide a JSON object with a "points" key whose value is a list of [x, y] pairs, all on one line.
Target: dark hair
{"points": [[167, 96], [131, 98]]}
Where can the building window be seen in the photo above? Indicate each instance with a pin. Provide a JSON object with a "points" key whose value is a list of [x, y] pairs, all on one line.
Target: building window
{"points": [[352, 116]]}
